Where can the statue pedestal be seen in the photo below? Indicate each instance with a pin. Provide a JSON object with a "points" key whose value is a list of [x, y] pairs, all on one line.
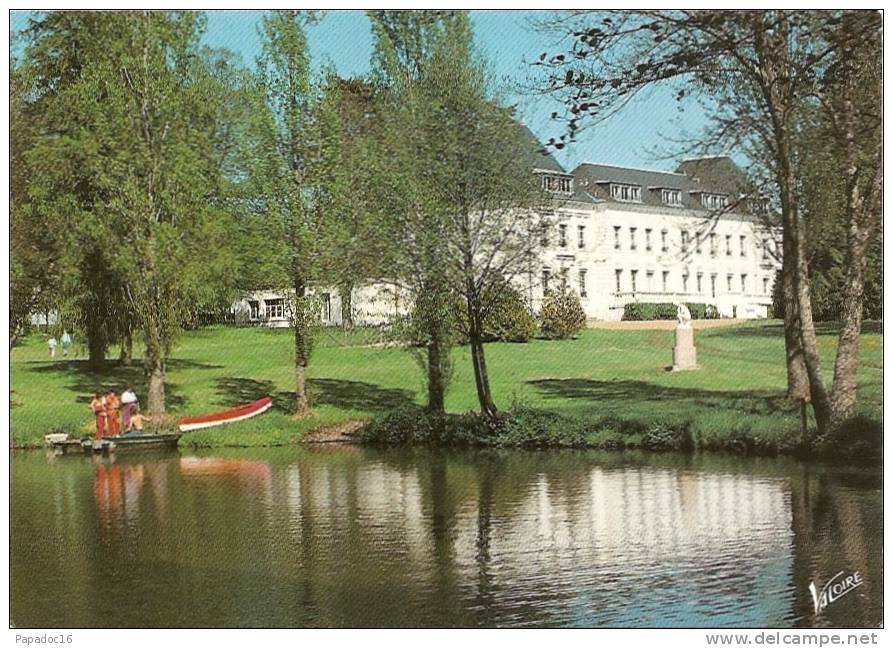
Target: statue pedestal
{"points": [[684, 354]]}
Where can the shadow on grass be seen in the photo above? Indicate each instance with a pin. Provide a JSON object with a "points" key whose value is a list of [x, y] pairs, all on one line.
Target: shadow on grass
{"points": [[238, 391], [345, 394], [353, 394], [751, 402], [84, 380]]}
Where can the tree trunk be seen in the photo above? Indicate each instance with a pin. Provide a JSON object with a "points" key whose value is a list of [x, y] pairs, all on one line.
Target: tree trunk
{"points": [[775, 77], [844, 387], [821, 405], [798, 381], [346, 292], [860, 220], [843, 391], [156, 398], [799, 326], [478, 360], [96, 348], [481, 379], [126, 357], [436, 376], [302, 350], [155, 368]]}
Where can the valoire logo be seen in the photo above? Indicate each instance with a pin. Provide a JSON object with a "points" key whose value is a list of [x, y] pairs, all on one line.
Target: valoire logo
{"points": [[834, 589]]}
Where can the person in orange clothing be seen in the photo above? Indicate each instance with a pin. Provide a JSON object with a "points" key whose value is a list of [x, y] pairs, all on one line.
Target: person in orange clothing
{"points": [[112, 405], [98, 407]]}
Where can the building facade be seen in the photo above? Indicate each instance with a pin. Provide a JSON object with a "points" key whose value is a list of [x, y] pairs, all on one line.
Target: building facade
{"points": [[628, 235], [619, 235]]}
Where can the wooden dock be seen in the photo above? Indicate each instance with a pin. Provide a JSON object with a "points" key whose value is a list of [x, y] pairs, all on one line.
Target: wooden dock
{"points": [[126, 442]]}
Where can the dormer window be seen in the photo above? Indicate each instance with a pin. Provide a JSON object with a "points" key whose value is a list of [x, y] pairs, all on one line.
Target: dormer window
{"points": [[557, 183], [671, 197], [626, 192], [714, 201], [760, 206]]}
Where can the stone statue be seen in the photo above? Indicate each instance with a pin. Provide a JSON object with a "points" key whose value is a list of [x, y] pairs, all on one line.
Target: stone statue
{"points": [[683, 315], [684, 352]]}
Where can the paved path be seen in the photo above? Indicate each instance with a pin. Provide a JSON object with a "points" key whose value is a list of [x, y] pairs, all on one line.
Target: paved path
{"points": [[659, 325]]}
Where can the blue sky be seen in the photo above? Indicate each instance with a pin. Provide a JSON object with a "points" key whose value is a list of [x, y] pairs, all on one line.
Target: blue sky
{"points": [[509, 41]]}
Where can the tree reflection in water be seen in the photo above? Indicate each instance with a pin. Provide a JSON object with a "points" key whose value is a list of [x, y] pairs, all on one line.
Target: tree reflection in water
{"points": [[294, 537]]}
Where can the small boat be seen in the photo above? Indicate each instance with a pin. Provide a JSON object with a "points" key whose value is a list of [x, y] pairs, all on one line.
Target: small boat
{"points": [[132, 441], [231, 415]]}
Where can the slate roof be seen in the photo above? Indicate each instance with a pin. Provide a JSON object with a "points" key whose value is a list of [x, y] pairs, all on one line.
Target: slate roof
{"points": [[718, 175], [540, 158], [592, 182], [717, 171]]}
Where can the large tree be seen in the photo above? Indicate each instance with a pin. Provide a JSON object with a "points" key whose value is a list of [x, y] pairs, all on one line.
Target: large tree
{"points": [[474, 215], [305, 183], [132, 150], [850, 96], [760, 73], [401, 157], [35, 253]]}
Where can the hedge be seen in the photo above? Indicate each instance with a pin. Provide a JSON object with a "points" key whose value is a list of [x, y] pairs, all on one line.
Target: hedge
{"points": [[637, 311]]}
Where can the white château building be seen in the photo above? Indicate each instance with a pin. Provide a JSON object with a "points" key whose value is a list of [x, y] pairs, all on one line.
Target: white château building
{"points": [[621, 235]]}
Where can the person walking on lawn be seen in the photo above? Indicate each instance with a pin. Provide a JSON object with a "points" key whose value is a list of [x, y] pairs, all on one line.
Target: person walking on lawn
{"points": [[66, 343], [51, 343]]}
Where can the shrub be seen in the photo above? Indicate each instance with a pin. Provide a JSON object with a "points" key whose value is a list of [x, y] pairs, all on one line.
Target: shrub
{"points": [[404, 426], [507, 319], [414, 425], [638, 312], [698, 311], [433, 314], [562, 314], [662, 436], [859, 437], [530, 428]]}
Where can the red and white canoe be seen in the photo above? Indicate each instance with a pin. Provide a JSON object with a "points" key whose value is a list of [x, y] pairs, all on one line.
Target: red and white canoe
{"points": [[231, 415]]}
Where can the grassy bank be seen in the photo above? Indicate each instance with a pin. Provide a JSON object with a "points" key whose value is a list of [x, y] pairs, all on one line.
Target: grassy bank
{"points": [[615, 380]]}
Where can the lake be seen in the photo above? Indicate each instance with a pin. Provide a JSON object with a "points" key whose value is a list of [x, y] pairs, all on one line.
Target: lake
{"points": [[359, 537]]}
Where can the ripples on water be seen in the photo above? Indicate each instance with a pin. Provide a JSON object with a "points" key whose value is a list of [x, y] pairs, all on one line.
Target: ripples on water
{"points": [[352, 537]]}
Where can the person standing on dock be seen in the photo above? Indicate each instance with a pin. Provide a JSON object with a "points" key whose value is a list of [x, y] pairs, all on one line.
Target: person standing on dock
{"points": [[98, 407], [112, 405], [129, 404]]}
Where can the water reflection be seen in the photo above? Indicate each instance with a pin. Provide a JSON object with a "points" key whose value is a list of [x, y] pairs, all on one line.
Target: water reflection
{"points": [[421, 538]]}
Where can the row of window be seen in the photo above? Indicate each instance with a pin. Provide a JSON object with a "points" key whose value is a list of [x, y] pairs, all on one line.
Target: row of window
{"points": [[686, 239], [669, 197], [699, 277], [562, 236], [649, 279], [275, 308], [581, 280], [557, 184]]}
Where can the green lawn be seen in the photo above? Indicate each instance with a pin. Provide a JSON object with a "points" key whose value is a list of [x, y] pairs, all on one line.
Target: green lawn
{"points": [[603, 373]]}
